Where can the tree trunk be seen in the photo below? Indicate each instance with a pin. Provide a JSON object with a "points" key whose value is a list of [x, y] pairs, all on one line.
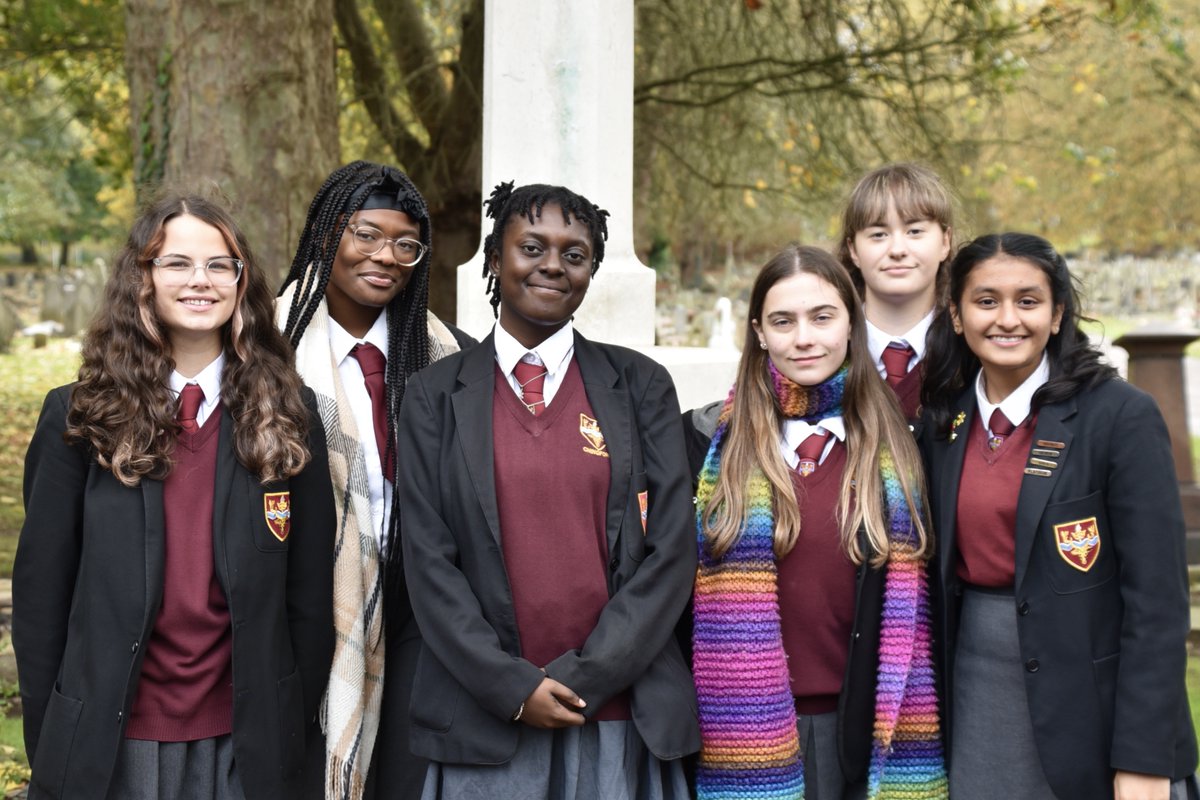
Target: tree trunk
{"points": [[28, 253], [456, 220], [238, 97]]}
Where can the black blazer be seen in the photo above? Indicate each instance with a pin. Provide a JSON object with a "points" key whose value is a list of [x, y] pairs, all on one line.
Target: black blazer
{"points": [[470, 675], [1104, 648], [87, 584], [856, 701]]}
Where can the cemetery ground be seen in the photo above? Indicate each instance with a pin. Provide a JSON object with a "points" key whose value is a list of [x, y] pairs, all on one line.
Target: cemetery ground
{"points": [[27, 373]]}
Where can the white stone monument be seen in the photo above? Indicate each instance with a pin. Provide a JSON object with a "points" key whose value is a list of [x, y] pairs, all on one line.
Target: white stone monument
{"points": [[558, 108]]}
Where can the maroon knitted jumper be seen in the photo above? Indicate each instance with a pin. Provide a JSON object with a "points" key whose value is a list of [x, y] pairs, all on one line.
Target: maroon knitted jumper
{"points": [[552, 481], [185, 691], [816, 591], [986, 525]]}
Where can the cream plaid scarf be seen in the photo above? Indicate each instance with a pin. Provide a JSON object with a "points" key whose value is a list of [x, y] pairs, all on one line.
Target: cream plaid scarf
{"points": [[350, 709]]}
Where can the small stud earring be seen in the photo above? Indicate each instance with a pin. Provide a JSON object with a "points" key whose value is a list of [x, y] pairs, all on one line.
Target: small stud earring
{"points": [[763, 345]]}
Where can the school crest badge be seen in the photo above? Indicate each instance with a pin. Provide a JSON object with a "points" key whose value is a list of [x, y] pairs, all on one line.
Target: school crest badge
{"points": [[277, 508], [590, 430], [1079, 543]]}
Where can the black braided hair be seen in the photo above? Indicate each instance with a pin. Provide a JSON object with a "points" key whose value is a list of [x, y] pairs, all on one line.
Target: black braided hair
{"points": [[529, 200], [342, 194]]}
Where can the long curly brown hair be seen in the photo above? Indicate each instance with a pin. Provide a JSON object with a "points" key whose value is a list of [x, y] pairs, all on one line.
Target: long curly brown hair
{"points": [[122, 406]]}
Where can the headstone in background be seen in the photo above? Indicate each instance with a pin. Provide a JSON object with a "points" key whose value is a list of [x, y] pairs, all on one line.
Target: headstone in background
{"points": [[8, 324], [1156, 354], [71, 298]]}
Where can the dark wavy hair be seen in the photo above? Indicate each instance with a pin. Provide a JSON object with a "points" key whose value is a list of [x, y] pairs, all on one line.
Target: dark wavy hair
{"points": [[529, 200], [122, 406], [950, 366]]}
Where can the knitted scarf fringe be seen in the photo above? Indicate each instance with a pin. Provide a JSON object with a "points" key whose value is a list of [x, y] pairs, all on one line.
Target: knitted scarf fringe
{"points": [[750, 748]]}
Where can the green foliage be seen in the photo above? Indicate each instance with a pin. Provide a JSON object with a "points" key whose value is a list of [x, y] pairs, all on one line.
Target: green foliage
{"points": [[64, 148], [25, 377]]}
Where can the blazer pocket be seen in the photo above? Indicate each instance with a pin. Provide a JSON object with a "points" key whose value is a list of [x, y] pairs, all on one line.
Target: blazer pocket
{"points": [[1079, 544], [290, 693], [270, 515], [55, 742], [434, 694], [639, 509]]}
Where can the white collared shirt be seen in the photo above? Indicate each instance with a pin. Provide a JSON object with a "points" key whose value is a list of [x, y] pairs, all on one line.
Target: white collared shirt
{"points": [[351, 376], [554, 354], [209, 381], [914, 337], [796, 431], [1018, 404]]}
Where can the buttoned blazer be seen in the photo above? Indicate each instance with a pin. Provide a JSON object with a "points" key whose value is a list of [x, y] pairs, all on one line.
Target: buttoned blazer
{"points": [[87, 585], [470, 677], [856, 701], [1103, 648]]}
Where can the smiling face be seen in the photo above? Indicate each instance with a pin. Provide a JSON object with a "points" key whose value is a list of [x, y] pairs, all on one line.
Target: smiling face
{"points": [[805, 328], [194, 311], [899, 258], [360, 286], [544, 269], [1006, 314]]}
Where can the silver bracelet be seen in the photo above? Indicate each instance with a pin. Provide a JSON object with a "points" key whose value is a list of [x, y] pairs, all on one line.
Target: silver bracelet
{"points": [[517, 716]]}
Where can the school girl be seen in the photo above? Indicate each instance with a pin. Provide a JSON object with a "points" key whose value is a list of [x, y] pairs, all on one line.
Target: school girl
{"points": [[547, 545], [171, 591], [811, 642], [355, 307], [897, 233], [1060, 545]]}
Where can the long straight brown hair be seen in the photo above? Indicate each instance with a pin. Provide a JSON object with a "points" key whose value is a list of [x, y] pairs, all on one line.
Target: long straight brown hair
{"points": [[872, 417], [122, 406]]}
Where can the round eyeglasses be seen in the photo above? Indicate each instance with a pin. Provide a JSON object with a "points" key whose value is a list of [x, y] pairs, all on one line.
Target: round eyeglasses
{"points": [[369, 241], [222, 271]]}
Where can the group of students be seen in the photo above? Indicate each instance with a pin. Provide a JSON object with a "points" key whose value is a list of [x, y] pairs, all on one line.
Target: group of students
{"points": [[324, 545]]}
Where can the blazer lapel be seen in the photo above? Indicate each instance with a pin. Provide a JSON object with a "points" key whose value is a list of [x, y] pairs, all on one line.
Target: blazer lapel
{"points": [[230, 475], [613, 411], [1036, 489], [472, 402], [155, 543], [952, 454]]}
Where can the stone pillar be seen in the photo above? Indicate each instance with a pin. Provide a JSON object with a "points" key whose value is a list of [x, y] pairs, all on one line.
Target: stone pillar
{"points": [[558, 108], [1156, 366]]}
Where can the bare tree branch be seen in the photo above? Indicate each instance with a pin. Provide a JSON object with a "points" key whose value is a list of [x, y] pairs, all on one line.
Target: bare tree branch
{"points": [[413, 54], [370, 82]]}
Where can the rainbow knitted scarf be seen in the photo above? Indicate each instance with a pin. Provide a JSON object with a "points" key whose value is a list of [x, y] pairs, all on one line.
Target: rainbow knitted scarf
{"points": [[747, 717]]}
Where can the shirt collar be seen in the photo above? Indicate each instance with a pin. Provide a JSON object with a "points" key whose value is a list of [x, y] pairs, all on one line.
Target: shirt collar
{"points": [[1018, 404], [208, 379], [553, 352], [796, 431], [914, 337], [341, 342]]}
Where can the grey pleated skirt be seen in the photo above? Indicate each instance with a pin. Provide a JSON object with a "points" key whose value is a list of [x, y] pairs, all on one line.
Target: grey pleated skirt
{"points": [[199, 770], [992, 755], [605, 760]]}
